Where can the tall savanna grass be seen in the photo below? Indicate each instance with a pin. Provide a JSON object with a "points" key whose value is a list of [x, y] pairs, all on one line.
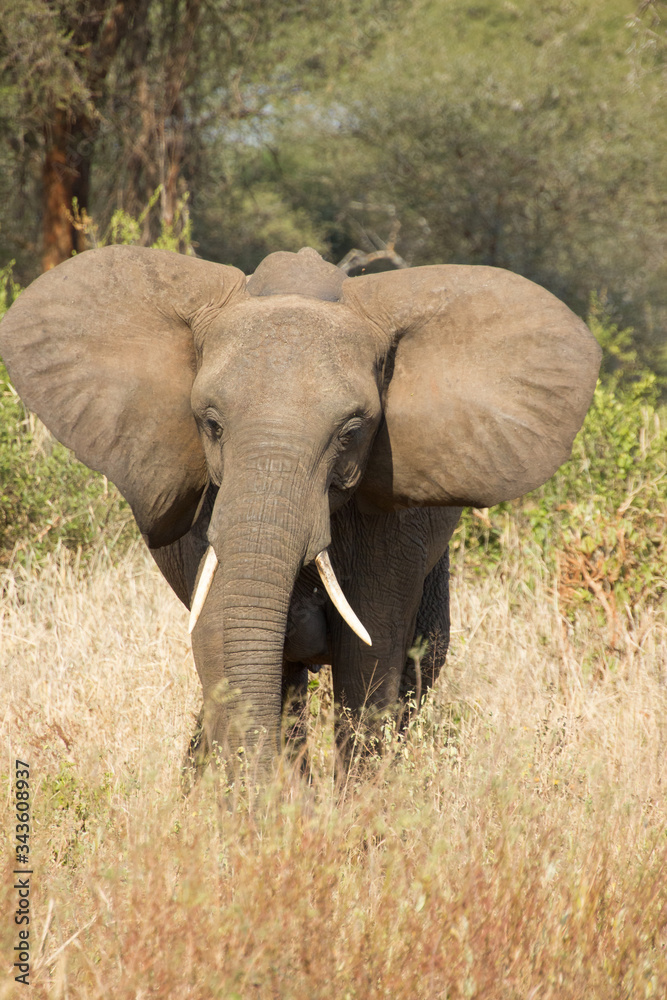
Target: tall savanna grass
{"points": [[512, 844]]}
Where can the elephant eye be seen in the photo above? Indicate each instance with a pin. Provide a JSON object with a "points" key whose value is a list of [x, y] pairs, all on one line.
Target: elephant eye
{"points": [[350, 431], [213, 428]]}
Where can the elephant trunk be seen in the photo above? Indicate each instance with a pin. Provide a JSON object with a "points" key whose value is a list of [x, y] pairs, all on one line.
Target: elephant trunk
{"points": [[261, 538]]}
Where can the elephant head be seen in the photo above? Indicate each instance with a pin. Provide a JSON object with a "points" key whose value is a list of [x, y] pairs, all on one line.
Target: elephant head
{"points": [[446, 385]]}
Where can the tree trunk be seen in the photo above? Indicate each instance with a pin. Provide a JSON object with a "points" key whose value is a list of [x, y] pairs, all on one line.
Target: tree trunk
{"points": [[65, 178], [94, 31], [157, 137]]}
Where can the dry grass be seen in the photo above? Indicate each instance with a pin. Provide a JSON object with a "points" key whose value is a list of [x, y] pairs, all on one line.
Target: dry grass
{"points": [[513, 846]]}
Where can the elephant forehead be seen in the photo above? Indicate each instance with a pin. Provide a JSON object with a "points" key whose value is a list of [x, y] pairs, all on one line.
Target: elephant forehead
{"points": [[280, 353], [289, 326]]}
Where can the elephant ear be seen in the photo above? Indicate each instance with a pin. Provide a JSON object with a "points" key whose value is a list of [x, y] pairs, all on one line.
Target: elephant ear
{"points": [[102, 349], [492, 377]]}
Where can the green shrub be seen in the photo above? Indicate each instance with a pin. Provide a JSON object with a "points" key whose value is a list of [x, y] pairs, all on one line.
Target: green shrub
{"points": [[48, 499]]}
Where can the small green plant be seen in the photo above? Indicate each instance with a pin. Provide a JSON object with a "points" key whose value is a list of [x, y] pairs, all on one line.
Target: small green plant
{"points": [[619, 355], [130, 230], [9, 288], [72, 806]]}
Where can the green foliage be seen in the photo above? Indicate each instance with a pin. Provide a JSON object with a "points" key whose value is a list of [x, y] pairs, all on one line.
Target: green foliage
{"points": [[9, 288], [48, 499], [255, 223], [72, 807], [129, 230], [619, 353], [154, 90]]}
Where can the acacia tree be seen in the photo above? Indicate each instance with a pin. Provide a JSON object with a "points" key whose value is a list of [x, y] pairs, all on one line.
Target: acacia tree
{"points": [[147, 112], [95, 58], [58, 57], [126, 89]]}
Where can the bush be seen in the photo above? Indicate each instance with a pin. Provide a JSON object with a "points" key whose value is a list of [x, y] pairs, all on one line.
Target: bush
{"points": [[48, 498]]}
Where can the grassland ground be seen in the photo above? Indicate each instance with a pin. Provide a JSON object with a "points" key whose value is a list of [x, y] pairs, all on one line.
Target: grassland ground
{"points": [[511, 845]]}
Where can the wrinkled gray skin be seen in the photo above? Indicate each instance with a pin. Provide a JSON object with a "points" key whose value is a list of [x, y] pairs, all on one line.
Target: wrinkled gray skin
{"points": [[300, 412], [292, 457], [394, 570]]}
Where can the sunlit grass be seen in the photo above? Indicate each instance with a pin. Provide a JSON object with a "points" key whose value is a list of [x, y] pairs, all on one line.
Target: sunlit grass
{"points": [[512, 845]]}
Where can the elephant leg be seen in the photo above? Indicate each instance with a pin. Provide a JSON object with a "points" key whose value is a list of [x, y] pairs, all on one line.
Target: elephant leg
{"points": [[432, 627], [380, 561], [394, 570]]}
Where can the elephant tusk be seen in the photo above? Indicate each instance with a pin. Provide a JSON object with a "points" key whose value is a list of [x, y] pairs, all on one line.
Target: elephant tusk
{"points": [[203, 587], [337, 596]]}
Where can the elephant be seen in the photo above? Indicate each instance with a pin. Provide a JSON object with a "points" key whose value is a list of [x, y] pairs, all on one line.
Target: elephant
{"points": [[296, 447]]}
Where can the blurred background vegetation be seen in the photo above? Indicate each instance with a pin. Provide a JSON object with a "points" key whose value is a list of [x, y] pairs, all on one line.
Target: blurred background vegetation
{"points": [[528, 136], [472, 131]]}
